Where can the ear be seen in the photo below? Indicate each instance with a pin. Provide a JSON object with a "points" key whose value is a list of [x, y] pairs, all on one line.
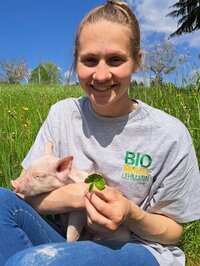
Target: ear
{"points": [[48, 148], [137, 63], [64, 167]]}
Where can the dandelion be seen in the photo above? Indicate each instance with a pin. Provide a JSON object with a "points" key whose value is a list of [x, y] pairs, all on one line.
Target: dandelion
{"points": [[25, 108]]}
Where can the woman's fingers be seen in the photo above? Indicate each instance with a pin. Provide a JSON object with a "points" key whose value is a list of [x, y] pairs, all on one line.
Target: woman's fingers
{"points": [[99, 204], [107, 214], [110, 203], [108, 194], [96, 220]]}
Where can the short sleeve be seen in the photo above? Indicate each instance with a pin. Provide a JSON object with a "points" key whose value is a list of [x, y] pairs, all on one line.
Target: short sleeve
{"points": [[178, 196]]}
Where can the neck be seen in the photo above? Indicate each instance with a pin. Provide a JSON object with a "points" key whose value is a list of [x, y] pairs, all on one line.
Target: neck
{"points": [[112, 111]]}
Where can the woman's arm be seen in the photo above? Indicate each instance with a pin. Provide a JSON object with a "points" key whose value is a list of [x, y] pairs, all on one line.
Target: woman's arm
{"points": [[154, 227], [108, 209], [60, 200]]}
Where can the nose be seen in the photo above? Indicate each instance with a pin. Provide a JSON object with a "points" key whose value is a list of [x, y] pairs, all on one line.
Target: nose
{"points": [[102, 72]]}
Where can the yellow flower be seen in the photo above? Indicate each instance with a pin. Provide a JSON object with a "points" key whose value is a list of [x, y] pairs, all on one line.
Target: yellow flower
{"points": [[25, 108]]}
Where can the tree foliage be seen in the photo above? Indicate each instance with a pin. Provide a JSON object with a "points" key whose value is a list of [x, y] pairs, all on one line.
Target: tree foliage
{"points": [[46, 73], [13, 71], [161, 60], [189, 13]]}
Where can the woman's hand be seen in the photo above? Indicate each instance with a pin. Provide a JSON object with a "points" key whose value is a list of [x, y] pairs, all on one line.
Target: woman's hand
{"points": [[106, 209]]}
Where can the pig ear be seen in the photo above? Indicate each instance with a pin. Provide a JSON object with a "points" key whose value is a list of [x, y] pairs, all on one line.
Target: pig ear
{"points": [[64, 167], [48, 148]]}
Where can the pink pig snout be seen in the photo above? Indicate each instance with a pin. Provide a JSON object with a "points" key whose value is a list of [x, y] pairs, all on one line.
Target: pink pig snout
{"points": [[15, 185]]}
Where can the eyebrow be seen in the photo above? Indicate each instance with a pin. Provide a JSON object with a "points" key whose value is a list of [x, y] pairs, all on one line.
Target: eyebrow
{"points": [[112, 53]]}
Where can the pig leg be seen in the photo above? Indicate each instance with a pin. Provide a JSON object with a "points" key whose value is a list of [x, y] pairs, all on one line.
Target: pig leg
{"points": [[76, 222], [62, 220]]}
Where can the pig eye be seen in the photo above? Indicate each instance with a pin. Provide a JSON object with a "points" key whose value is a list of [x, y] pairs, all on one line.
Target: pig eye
{"points": [[39, 176]]}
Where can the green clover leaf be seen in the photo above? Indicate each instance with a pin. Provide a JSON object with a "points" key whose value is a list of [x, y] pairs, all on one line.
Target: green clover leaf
{"points": [[97, 181], [91, 187]]}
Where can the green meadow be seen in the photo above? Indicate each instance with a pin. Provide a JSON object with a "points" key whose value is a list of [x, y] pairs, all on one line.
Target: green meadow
{"points": [[23, 109]]}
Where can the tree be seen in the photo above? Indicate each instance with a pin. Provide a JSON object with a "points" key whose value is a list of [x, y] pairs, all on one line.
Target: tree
{"points": [[161, 60], [46, 73], [189, 13], [13, 71]]}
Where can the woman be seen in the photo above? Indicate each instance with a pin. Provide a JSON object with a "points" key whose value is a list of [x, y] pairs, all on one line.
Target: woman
{"points": [[146, 156]]}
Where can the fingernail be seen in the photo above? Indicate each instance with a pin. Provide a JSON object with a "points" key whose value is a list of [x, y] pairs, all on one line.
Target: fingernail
{"points": [[86, 192]]}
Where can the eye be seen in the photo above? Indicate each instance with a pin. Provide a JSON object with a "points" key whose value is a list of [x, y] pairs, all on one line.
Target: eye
{"points": [[39, 176], [116, 61], [89, 61], [38, 179]]}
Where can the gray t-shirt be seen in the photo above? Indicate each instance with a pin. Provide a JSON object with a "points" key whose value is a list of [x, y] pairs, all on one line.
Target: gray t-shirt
{"points": [[148, 155]]}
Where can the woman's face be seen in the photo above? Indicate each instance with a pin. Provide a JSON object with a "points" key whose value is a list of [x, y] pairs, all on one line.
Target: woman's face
{"points": [[105, 65]]}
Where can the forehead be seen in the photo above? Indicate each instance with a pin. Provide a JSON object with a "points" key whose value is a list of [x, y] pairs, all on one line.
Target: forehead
{"points": [[104, 35]]}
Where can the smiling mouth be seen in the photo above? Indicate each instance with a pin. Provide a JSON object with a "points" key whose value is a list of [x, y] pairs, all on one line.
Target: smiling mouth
{"points": [[103, 88]]}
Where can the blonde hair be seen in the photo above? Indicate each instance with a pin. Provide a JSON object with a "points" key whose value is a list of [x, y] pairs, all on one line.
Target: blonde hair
{"points": [[113, 11]]}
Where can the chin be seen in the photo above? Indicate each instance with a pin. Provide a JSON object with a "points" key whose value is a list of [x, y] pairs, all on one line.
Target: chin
{"points": [[101, 102]]}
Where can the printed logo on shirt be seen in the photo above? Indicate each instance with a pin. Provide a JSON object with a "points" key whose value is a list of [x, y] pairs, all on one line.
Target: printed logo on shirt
{"points": [[137, 166]]}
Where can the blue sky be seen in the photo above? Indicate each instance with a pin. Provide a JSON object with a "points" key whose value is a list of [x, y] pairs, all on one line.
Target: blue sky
{"points": [[44, 30]]}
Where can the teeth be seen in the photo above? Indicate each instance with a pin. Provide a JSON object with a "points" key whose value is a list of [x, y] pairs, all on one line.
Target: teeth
{"points": [[101, 89]]}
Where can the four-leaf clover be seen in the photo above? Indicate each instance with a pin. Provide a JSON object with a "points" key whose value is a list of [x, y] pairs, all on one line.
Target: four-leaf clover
{"points": [[96, 180]]}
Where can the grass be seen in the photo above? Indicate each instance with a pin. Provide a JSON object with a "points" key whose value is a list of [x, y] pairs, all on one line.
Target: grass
{"points": [[24, 108]]}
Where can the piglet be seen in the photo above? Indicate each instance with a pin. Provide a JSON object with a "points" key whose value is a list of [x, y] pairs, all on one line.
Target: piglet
{"points": [[46, 174]]}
